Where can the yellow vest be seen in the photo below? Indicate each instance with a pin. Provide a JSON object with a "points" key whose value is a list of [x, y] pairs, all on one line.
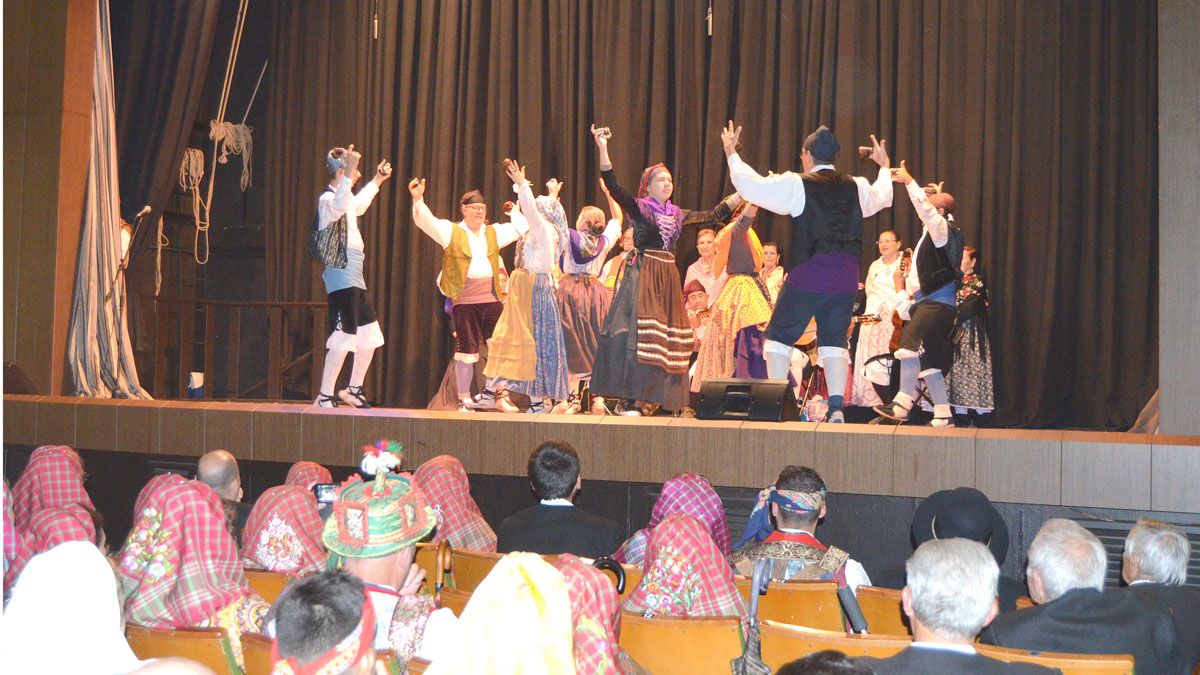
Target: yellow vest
{"points": [[457, 258]]}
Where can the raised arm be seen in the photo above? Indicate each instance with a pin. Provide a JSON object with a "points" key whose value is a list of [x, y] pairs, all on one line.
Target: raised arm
{"points": [[362, 200], [535, 224], [616, 193], [778, 193], [719, 213], [614, 209], [438, 229], [877, 196], [934, 221]]}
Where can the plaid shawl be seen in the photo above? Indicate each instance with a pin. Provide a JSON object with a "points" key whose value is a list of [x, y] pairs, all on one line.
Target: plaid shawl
{"points": [[684, 574], [53, 477], [180, 566], [283, 532], [154, 485], [307, 474], [688, 493], [12, 537], [51, 527], [445, 484], [595, 611]]}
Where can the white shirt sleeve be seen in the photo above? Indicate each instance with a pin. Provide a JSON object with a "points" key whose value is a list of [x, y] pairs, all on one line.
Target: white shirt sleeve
{"points": [[855, 575], [362, 200], [777, 193], [877, 196], [507, 233], [934, 221], [333, 207], [438, 229]]}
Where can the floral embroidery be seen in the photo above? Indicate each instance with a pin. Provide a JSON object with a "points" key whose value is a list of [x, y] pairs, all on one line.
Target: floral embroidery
{"points": [[278, 546], [672, 584], [146, 553]]}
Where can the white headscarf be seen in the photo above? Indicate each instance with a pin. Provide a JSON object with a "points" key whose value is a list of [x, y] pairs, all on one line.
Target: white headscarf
{"points": [[66, 598]]}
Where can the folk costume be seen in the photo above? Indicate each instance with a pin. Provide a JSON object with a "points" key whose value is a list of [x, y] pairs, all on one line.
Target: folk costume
{"points": [[283, 533], [459, 521]]}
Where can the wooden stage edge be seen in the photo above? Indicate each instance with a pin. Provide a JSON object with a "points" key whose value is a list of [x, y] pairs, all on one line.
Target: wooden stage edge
{"points": [[1059, 468]]}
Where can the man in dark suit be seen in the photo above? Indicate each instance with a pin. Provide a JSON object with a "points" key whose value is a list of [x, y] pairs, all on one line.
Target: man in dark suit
{"points": [[556, 525], [1155, 567], [951, 594], [1066, 579]]}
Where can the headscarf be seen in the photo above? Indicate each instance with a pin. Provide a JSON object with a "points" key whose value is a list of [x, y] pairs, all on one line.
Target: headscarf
{"points": [[180, 566], [445, 484], [66, 598], [595, 612], [758, 527], [688, 493], [283, 532], [51, 527], [12, 536], [551, 210], [339, 658], [684, 574], [517, 621], [53, 477], [666, 217], [153, 485], [307, 474]]}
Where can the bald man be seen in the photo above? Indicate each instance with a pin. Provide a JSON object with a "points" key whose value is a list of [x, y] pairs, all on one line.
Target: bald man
{"points": [[219, 470]]}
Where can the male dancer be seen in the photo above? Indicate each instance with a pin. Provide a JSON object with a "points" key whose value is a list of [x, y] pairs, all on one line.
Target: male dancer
{"points": [[827, 208], [355, 326], [471, 277], [928, 301]]}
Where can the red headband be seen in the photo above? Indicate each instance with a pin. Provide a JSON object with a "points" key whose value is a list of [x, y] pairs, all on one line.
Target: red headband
{"points": [[340, 657]]}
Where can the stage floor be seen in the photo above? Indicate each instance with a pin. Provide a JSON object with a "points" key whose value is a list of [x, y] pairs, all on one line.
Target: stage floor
{"points": [[1062, 468]]}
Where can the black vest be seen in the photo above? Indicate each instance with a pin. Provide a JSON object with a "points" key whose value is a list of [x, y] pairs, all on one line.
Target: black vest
{"points": [[936, 266], [832, 218]]}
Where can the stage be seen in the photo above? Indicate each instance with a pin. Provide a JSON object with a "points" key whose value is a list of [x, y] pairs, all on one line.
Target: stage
{"points": [[1052, 468]]}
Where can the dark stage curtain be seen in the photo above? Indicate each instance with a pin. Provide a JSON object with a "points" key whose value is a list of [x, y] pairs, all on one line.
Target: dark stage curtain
{"points": [[1039, 115]]}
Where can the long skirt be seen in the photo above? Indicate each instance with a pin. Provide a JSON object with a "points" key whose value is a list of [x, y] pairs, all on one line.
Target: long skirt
{"points": [[646, 341], [584, 302], [873, 340], [540, 368], [743, 303], [969, 381]]}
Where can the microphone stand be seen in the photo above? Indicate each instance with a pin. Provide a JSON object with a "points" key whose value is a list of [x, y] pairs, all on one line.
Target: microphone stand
{"points": [[137, 224]]}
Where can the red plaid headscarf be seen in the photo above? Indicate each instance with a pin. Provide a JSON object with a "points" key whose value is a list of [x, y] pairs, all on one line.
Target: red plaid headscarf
{"points": [[308, 474], [688, 493], [12, 536], [445, 484], [595, 612], [53, 477], [154, 485], [51, 527], [684, 574], [180, 565], [283, 532]]}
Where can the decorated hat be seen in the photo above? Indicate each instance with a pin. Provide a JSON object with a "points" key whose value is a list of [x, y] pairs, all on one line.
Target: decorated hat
{"points": [[372, 519], [962, 512]]}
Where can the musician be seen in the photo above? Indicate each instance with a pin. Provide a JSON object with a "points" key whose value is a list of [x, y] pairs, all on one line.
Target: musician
{"points": [[876, 327]]}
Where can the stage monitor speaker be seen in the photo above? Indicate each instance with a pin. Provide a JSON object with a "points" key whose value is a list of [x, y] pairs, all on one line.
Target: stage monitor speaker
{"points": [[747, 399]]}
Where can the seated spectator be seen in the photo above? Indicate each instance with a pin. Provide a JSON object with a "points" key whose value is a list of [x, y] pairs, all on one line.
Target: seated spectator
{"points": [[556, 525], [688, 493], [325, 624], [685, 574], [66, 597], [219, 470], [445, 484], [1155, 567], [54, 477], [13, 539], [1073, 614], [951, 594], [180, 567], [51, 527], [961, 512], [283, 533], [595, 615], [797, 503], [307, 474], [373, 531], [827, 662]]}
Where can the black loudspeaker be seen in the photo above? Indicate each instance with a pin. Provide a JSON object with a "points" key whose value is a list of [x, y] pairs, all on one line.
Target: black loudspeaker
{"points": [[747, 399]]}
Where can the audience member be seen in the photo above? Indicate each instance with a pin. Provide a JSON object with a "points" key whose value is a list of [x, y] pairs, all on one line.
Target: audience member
{"points": [[828, 662], [705, 269], [1155, 567], [54, 477], [556, 525], [180, 567], [283, 532], [445, 484], [797, 503], [688, 493], [1066, 579], [219, 470], [13, 539], [307, 474], [51, 527], [595, 616], [961, 512], [325, 624], [685, 574], [950, 596]]}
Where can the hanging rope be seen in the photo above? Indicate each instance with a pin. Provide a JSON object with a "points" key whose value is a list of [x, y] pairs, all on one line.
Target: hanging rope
{"points": [[234, 139]]}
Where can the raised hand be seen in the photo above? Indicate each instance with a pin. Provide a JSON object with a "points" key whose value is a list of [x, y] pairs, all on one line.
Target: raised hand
{"points": [[901, 175], [730, 136], [876, 152], [601, 136], [352, 158], [515, 171], [933, 188], [750, 211], [554, 186], [412, 580], [416, 188], [383, 171]]}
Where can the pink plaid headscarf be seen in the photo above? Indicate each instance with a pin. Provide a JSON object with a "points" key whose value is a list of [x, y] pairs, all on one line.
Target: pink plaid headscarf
{"points": [[595, 612], [283, 532], [688, 493], [307, 474], [445, 484], [53, 478], [49, 528]]}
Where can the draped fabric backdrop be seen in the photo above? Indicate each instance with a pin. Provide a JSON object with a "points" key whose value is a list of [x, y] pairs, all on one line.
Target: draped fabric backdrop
{"points": [[1039, 115]]}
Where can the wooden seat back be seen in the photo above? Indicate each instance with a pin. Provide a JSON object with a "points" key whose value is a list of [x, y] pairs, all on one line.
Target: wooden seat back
{"points": [[268, 584], [633, 579], [209, 646], [256, 654], [416, 665], [695, 645], [455, 600], [783, 644], [1069, 664], [1024, 602], [801, 603], [884, 610], [434, 559], [470, 567]]}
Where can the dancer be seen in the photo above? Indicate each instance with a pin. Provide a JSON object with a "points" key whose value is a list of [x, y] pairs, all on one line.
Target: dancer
{"points": [[928, 303], [827, 208], [884, 277], [355, 326], [646, 343], [582, 298], [471, 278], [970, 378], [526, 353]]}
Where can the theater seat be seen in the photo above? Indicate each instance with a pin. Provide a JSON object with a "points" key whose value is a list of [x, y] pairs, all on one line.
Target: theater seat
{"points": [[256, 653], [435, 560], [800, 603], [470, 567], [693, 645], [782, 643], [883, 610], [416, 665], [209, 646], [268, 584], [1069, 664], [455, 600]]}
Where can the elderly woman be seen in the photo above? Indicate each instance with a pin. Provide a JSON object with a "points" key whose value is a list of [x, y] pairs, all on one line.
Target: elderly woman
{"points": [[687, 493], [283, 533], [446, 486]]}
